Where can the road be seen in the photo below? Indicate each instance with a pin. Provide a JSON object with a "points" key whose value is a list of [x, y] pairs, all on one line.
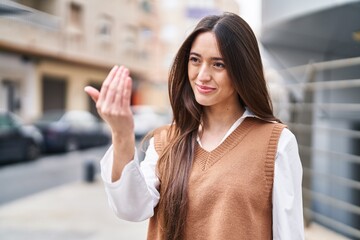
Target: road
{"points": [[23, 179]]}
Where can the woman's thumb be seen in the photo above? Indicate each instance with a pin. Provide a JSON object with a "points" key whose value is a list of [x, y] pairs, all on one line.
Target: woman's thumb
{"points": [[92, 92]]}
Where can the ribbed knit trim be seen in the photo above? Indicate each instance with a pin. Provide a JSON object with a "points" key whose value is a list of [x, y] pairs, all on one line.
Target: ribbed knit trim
{"points": [[271, 154], [210, 158], [160, 138]]}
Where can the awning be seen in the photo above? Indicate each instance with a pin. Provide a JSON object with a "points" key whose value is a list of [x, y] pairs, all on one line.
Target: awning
{"points": [[13, 8]]}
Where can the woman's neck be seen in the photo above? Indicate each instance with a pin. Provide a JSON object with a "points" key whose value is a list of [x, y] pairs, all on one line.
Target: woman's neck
{"points": [[216, 122], [221, 118]]}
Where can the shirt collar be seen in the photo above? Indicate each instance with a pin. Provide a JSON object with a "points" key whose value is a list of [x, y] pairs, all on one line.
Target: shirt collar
{"points": [[249, 113]]}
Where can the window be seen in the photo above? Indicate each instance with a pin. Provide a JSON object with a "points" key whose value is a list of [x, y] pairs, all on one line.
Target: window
{"points": [[129, 40], [75, 17], [146, 6], [105, 28], [146, 33]]}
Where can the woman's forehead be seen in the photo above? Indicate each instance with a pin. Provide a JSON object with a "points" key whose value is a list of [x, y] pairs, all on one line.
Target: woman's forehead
{"points": [[206, 44]]}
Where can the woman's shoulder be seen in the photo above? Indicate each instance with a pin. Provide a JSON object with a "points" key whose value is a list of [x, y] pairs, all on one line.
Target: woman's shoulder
{"points": [[285, 134], [162, 136], [287, 140], [265, 123], [162, 130]]}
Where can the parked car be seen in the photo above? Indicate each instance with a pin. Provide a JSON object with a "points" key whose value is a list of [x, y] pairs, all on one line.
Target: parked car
{"points": [[18, 141], [71, 130], [147, 118]]}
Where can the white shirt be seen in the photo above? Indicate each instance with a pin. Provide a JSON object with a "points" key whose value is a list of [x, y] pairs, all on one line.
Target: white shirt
{"points": [[135, 195]]}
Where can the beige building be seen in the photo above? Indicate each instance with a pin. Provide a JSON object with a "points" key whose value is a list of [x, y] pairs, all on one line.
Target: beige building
{"points": [[50, 50]]}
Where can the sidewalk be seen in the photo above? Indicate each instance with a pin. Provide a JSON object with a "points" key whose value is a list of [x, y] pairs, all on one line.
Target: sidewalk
{"points": [[80, 211], [71, 212]]}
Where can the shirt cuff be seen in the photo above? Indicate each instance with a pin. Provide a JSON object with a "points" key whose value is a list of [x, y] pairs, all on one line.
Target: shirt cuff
{"points": [[106, 164]]}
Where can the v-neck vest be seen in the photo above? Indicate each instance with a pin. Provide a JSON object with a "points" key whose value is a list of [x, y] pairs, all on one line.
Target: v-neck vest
{"points": [[230, 187]]}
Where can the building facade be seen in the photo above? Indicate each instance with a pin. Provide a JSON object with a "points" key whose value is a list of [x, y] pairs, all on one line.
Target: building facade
{"points": [[315, 48], [50, 50]]}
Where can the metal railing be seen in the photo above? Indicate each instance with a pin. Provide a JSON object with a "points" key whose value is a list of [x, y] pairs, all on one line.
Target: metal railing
{"points": [[327, 166]]}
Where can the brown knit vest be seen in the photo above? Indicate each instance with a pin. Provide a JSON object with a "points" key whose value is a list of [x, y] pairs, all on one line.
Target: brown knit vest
{"points": [[230, 188]]}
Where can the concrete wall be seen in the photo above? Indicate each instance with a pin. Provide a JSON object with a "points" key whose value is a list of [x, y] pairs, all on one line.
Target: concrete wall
{"points": [[274, 11]]}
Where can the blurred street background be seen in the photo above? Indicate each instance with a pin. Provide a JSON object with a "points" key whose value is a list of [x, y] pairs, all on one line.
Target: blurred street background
{"points": [[52, 139]]}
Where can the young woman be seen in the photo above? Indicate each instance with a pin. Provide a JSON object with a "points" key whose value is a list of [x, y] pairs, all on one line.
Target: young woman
{"points": [[226, 168]]}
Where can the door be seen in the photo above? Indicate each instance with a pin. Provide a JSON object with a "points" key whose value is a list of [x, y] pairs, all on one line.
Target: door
{"points": [[92, 106], [54, 91]]}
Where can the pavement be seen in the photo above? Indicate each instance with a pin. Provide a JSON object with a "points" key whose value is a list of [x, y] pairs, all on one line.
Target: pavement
{"points": [[80, 211]]}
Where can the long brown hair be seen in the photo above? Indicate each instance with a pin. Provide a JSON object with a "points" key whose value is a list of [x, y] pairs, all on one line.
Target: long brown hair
{"points": [[239, 49]]}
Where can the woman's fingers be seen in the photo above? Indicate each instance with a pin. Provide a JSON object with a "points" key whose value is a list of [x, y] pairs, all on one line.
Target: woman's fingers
{"points": [[113, 101], [114, 97], [112, 90], [127, 93], [120, 90], [92, 92], [105, 86]]}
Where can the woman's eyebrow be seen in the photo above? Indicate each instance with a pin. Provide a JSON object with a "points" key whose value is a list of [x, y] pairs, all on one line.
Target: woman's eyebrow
{"points": [[196, 54], [212, 58]]}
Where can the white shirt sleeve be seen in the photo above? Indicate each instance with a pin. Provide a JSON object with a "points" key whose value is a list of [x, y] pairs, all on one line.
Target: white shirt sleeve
{"points": [[134, 196], [287, 193]]}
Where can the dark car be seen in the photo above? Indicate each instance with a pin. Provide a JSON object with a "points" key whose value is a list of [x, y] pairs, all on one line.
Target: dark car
{"points": [[71, 130], [18, 141]]}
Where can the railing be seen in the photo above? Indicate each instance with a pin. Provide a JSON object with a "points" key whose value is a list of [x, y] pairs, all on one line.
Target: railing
{"points": [[328, 133]]}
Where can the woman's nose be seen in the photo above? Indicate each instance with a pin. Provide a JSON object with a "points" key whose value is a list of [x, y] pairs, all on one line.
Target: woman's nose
{"points": [[204, 73]]}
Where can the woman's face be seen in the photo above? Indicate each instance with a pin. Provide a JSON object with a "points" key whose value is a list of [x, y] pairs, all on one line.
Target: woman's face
{"points": [[207, 73]]}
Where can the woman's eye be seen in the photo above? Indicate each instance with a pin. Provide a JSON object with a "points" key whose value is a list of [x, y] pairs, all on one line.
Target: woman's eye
{"points": [[194, 60], [219, 65]]}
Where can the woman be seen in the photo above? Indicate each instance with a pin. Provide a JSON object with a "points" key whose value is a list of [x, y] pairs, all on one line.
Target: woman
{"points": [[226, 168]]}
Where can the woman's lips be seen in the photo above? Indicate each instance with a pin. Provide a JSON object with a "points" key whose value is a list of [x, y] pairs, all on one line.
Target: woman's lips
{"points": [[204, 89]]}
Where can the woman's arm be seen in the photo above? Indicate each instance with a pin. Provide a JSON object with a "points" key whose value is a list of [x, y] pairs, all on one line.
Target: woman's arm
{"points": [[135, 195], [113, 105], [287, 192], [131, 188]]}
